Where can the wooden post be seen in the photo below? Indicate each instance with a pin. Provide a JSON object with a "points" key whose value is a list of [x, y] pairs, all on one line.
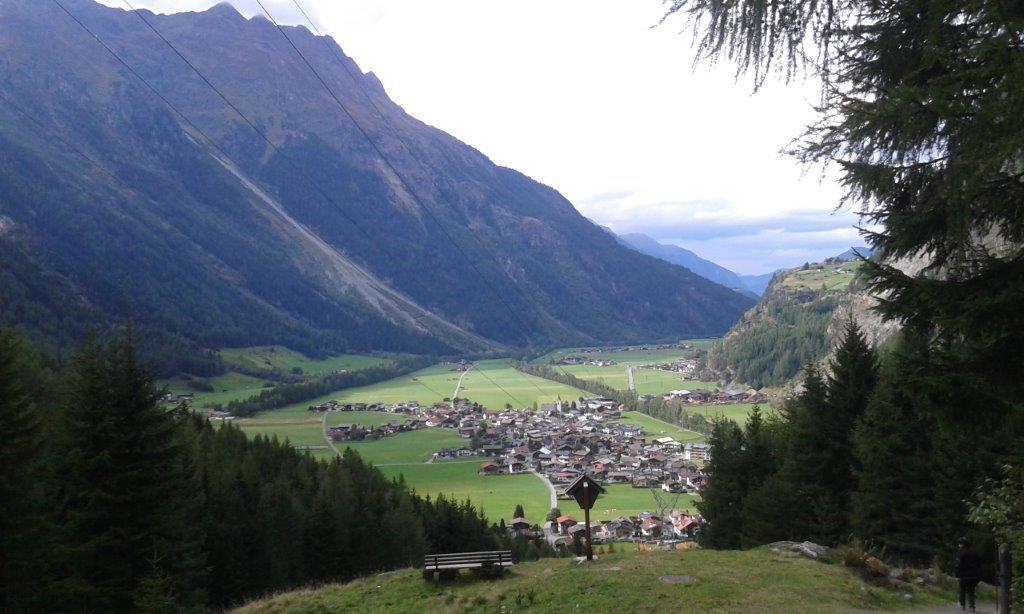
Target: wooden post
{"points": [[590, 546], [1005, 575]]}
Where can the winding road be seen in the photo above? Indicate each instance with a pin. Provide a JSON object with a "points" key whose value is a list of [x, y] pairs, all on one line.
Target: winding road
{"points": [[459, 385], [551, 488]]}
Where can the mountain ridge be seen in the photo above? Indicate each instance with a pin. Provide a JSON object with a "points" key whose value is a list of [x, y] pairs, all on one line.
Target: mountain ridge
{"points": [[216, 252]]}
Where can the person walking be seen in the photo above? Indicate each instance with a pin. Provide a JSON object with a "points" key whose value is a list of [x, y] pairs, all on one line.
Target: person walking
{"points": [[967, 570]]}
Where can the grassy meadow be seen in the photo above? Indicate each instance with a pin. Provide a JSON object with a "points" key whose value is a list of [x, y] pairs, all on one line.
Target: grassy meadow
{"points": [[757, 580], [821, 276], [624, 500], [497, 495], [280, 358], [226, 388], [736, 412], [656, 428]]}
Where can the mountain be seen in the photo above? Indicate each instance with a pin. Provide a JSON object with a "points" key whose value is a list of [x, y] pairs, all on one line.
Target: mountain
{"points": [[383, 234], [794, 323], [685, 258], [757, 283], [853, 253]]}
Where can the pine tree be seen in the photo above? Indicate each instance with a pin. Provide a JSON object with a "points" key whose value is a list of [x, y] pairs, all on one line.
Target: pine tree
{"points": [[893, 506], [722, 498], [22, 532], [126, 497], [518, 512]]}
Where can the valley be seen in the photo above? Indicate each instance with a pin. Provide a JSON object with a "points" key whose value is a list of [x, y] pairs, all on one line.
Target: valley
{"points": [[494, 384]]}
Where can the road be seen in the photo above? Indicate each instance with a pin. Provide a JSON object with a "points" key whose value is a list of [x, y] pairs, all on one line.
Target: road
{"points": [[459, 385], [551, 488], [629, 374], [330, 442]]}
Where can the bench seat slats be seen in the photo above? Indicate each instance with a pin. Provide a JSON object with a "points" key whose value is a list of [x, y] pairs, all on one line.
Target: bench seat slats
{"points": [[468, 565], [467, 560]]}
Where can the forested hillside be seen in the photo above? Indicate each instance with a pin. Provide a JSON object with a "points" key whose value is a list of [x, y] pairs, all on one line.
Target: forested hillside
{"points": [[792, 325], [237, 200]]}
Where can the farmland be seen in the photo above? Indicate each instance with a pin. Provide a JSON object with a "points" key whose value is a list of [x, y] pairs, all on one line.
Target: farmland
{"points": [[821, 277], [656, 428], [736, 412], [496, 495], [228, 387], [282, 359], [648, 381], [624, 500]]}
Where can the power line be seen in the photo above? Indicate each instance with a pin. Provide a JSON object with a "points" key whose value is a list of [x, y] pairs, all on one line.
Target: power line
{"points": [[359, 84], [387, 161], [239, 112]]}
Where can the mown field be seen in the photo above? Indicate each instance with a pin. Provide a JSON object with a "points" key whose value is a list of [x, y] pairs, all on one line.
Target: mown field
{"points": [[497, 495], [624, 500], [282, 359], [757, 580], [226, 388], [656, 428], [736, 412], [821, 277], [633, 357]]}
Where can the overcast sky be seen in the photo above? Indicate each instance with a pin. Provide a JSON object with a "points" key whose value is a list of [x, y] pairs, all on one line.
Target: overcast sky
{"points": [[585, 96]]}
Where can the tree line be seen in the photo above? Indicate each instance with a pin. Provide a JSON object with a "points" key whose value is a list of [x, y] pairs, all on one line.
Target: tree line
{"points": [[286, 394], [859, 456], [667, 411], [113, 503]]}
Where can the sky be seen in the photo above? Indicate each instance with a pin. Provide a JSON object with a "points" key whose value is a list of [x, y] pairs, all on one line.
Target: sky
{"points": [[597, 100]]}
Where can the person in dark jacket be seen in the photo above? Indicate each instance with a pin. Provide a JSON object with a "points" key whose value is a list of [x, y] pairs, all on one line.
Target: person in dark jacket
{"points": [[967, 570]]}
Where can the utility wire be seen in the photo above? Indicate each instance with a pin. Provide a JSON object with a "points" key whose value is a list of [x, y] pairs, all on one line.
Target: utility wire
{"points": [[242, 115], [387, 161], [359, 84]]}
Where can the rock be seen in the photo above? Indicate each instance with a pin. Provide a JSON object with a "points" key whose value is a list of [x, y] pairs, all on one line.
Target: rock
{"points": [[612, 568], [876, 566], [812, 550], [897, 574], [683, 580], [908, 596], [919, 581], [789, 554]]}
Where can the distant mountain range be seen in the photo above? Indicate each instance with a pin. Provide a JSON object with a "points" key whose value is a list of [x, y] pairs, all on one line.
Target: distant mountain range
{"points": [[750, 285], [113, 206]]}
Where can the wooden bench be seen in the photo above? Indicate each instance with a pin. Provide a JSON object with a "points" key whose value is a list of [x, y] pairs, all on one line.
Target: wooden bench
{"points": [[482, 563]]}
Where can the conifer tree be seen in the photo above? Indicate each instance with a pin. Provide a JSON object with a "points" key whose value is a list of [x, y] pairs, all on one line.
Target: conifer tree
{"points": [[126, 497], [22, 533], [722, 498], [518, 512]]}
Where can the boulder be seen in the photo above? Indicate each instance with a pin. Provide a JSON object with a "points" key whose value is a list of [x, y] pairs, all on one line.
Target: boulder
{"points": [[812, 550], [897, 574]]}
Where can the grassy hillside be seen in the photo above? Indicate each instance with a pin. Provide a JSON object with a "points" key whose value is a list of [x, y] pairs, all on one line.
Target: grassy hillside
{"points": [[275, 357], [755, 580]]}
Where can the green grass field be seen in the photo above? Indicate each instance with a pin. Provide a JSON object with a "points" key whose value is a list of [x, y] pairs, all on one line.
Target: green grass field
{"points": [[497, 495], [299, 432], [819, 276], [493, 383], [735, 412], [624, 500], [657, 428], [364, 418], [228, 387], [633, 357], [405, 448], [437, 382], [283, 359], [757, 580]]}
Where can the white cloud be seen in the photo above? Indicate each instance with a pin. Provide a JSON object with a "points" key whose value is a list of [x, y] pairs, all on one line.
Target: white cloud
{"points": [[588, 98]]}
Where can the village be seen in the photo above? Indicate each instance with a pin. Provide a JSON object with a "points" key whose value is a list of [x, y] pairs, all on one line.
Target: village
{"points": [[560, 442]]}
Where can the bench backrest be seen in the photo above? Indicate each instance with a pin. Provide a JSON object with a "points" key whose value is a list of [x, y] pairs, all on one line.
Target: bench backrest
{"points": [[468, 558]]}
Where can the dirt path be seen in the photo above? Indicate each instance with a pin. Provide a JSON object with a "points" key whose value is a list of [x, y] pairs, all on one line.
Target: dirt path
{"points": [[551, 488], [330, 442], [682, 428], [459, 385], [629, 375]]}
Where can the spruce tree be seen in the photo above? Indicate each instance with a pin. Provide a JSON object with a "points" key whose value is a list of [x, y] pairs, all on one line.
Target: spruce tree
{"points": [[894, 507], [722, 497], [518, 512], [23, 535], [127, 503]]}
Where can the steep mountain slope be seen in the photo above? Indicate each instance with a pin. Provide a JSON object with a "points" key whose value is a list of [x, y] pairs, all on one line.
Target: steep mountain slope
{"points": [[685, 258], [200, 230], [794, 323]]}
